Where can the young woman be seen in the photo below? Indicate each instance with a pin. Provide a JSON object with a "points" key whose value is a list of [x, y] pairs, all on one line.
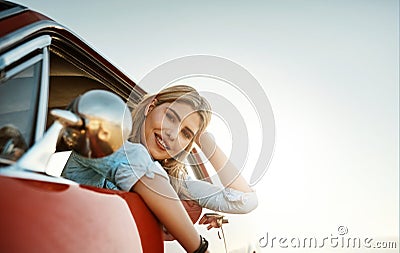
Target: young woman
{"points": [[165, 127]]}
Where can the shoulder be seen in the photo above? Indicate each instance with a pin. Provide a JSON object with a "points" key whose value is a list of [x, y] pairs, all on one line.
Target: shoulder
{"points": [[130, 147], [136, 152]]}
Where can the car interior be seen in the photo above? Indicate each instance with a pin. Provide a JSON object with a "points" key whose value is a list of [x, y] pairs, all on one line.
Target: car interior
{"points": [[68, 80]]}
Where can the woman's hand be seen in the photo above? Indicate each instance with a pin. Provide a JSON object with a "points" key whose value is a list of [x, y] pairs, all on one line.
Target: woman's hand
{"points": [[207, 144], [214, 220]]}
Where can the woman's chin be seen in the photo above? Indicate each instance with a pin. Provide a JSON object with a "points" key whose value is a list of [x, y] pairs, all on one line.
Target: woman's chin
{"points": [[158, 155]]}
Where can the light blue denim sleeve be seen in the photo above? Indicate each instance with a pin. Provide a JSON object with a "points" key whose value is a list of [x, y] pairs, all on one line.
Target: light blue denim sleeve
{"points": [[136, 162], [122, 168], [220, 199]]}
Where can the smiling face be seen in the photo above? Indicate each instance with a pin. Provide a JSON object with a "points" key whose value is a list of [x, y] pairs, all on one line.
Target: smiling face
{"points": [[169, 128]]}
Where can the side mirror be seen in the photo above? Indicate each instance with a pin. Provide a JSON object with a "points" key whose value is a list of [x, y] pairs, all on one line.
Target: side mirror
{"points": [[95, 125]]}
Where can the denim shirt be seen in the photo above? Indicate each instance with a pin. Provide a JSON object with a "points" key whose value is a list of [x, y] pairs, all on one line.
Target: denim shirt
{"points": [[118, 171], [122, 169]]}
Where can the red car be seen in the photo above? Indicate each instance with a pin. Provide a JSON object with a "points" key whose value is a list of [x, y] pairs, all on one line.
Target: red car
{"points": [[44, 66]]}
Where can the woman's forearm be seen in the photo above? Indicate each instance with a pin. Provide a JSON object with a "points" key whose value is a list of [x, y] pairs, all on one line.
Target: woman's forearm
{"points": [[163, 201], [227, 172]]}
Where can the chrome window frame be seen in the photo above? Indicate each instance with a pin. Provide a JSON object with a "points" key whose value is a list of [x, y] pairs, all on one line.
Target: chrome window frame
{"points": [[12, 10], [16, 54]]}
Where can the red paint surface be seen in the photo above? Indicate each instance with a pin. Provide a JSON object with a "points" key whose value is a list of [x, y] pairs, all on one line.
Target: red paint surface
{"points": [[40, 216], [20, 20]]}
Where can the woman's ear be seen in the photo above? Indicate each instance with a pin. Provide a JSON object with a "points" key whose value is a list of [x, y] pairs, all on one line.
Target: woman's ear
{"points": [[150, 106]]}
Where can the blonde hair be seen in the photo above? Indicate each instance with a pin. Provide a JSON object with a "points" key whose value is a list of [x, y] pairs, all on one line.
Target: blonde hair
{"points": [[183, 94]]}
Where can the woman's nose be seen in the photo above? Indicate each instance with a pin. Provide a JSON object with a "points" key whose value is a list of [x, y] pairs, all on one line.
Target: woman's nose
{"points": [[172, 133]]}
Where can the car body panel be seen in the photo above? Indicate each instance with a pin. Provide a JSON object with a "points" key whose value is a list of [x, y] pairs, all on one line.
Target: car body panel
{"points": [[54, 217]]}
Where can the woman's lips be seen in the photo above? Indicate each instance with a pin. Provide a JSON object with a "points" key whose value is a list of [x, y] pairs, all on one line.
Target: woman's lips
{"points": [[160, 142]]}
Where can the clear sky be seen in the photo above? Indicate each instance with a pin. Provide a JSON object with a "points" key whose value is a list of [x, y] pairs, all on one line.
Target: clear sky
{"points": [[331, 72]]}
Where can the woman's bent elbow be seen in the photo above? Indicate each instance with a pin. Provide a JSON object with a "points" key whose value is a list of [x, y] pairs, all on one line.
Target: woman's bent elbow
{"points": [[251, 204]]}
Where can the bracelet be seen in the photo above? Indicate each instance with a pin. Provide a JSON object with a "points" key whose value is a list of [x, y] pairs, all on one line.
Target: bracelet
{"points": [[203, 245]]}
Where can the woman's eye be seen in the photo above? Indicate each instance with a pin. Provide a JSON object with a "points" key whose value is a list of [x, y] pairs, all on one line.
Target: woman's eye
{"points": [[170, 117], [187, 134]]}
